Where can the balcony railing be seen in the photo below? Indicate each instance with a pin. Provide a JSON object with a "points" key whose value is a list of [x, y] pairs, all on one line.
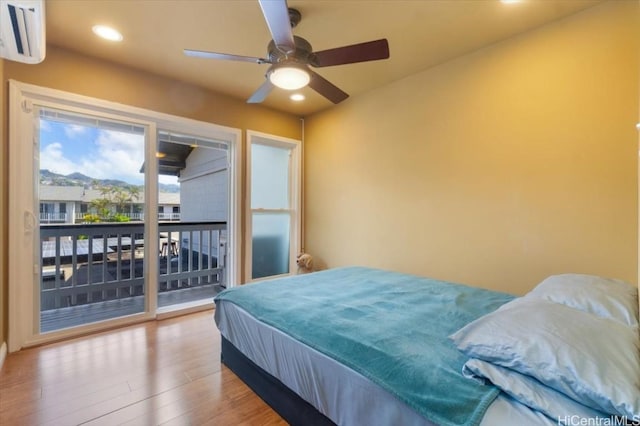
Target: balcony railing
{"points": [[169, 216], [79, 217], [53, 217], [90, 263]]}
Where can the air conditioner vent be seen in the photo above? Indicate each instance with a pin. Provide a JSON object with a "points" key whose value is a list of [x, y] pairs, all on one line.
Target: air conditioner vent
{"points": [[22, 30]]}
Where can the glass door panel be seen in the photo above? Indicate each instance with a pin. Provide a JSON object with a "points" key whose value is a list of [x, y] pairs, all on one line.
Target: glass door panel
{"points": [[193, 205], [91, 246]]}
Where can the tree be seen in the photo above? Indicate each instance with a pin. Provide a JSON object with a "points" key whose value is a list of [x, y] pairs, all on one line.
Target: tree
{"points": [[101, 206], [118, 197], [133, 195]]}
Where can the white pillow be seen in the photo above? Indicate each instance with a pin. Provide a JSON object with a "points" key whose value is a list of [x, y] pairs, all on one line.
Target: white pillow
{"points": [[604, 297], [593, 360], [530, 392]]}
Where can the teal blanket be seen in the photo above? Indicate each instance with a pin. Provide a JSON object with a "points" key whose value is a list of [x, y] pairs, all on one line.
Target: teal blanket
{"points": [[392, 328]]}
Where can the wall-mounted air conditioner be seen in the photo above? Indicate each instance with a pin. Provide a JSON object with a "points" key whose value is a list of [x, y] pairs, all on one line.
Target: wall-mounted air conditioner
{"points": [[22, 30]]}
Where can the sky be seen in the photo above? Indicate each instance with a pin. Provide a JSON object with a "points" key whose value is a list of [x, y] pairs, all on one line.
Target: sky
{"points": [[98, 153]]}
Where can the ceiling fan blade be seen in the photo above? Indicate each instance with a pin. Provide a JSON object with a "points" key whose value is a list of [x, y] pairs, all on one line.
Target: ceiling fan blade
{"points": [[262, 92], [213, 55], [326, 88], [362, 52], [276, 14]]}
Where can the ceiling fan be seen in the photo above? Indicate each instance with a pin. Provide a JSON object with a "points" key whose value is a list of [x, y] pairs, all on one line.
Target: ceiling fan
{"points": [[290, 56]]}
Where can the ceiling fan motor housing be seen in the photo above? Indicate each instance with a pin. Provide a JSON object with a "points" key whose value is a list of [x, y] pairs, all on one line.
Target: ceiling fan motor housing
{"points": [[303, 52]]}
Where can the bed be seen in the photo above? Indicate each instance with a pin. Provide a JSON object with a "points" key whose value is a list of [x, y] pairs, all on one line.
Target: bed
{"points": [[357, 345]]}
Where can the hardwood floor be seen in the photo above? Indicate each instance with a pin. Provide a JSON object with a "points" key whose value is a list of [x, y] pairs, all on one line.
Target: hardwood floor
{"points": [[157, 373]]}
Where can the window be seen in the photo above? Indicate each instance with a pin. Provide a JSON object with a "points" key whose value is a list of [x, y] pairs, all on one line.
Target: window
{"points": [[274, 205], [46, 208]]}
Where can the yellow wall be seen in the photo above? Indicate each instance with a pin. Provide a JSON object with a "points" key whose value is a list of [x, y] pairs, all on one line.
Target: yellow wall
{"points": [[79, 74], [495, 169]]}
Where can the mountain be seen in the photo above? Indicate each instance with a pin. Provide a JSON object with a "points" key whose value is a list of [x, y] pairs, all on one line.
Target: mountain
{"points": [[75, 175], [48, 177], [164, 187]]}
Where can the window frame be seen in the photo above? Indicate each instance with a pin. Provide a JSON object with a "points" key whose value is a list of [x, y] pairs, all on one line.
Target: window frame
{"points": [[295, 199]]}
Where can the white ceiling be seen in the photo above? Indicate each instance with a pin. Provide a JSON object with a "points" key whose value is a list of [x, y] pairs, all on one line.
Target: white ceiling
{"points": [[421, 34]]}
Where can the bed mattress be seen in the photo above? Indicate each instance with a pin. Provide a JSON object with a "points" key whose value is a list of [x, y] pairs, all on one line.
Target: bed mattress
{"points": [[334, 389]]}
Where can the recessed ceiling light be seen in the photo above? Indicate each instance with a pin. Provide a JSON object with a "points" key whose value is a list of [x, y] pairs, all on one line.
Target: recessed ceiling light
{"points": [[510, 1], [107, 33], [160, 154], [297, 97]]}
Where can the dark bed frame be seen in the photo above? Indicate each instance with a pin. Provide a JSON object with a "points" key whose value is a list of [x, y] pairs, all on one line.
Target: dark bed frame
{"points": [[292, 408]]}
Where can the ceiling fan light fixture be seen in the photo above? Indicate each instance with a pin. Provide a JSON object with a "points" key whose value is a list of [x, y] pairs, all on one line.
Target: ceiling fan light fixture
{"points": [[289, 76]]}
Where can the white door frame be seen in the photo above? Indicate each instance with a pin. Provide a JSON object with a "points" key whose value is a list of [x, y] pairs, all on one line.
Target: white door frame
{"points": [[22, 210]]}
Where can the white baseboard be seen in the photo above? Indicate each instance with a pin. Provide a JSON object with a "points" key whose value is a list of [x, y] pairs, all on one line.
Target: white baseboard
{"points": [[3, 353]]}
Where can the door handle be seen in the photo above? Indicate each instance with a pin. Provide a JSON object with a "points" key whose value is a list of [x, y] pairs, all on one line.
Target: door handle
{"points": [[29, 221]]}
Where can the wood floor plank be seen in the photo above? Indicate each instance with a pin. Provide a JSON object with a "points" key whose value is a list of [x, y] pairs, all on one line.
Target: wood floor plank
{"points": [[159, 372], [231, 410], [155, 406], [179, 401]]}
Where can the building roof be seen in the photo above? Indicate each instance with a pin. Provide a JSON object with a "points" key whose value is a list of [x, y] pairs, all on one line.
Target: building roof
{"points": [[79, 194], [63, 193], [167, 198]]}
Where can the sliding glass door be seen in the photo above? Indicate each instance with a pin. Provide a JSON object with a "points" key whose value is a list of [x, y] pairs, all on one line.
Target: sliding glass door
{"points": [[117, 214]]}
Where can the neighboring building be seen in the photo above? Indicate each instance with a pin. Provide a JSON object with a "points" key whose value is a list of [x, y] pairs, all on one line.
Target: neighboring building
{"points": [[169, 206], [69, 204], [204, 186]]}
